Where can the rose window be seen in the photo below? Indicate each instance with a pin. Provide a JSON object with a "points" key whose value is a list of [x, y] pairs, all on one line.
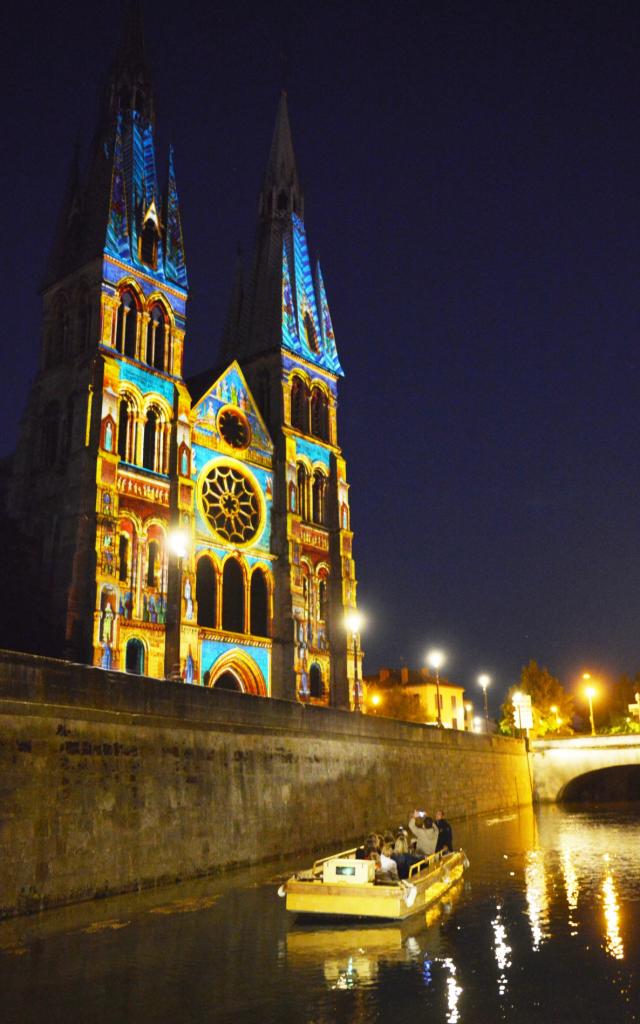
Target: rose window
{"points": [[231, 504]]}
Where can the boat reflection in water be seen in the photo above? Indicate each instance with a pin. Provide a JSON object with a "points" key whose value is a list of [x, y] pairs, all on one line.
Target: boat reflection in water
{"points": [[351, 955]]}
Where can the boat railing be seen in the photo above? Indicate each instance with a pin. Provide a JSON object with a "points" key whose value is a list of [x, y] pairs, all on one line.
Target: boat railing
{"points": [[427, 864]]}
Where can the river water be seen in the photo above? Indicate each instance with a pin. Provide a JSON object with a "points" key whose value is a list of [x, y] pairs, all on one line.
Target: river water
{"points": [[544, 927]]}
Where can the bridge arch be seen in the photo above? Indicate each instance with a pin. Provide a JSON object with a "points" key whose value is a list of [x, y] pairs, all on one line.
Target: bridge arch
{"points": [[619, 782], [558, 765]]}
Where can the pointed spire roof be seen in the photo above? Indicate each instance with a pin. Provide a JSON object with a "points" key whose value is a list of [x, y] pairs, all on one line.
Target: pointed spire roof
{"points": [[285, 305], [174, 259], [281, 191], [130, 82]]}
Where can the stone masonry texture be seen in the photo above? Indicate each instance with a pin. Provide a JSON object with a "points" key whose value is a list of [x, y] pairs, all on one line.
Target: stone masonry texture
{"points": [[113, 782]]}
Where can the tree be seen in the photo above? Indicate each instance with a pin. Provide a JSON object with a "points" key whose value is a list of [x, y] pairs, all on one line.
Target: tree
{"points": [[397, 703], [546, 692]]}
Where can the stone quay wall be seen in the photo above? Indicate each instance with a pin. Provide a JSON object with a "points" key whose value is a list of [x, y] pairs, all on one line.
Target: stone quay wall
{"points": [[112, 782]]}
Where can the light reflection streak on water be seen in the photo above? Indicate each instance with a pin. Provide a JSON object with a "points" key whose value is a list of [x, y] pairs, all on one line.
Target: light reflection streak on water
{"points": [[537, 901], [501, 951], [454, 991], [613, 940], [571, 886]]}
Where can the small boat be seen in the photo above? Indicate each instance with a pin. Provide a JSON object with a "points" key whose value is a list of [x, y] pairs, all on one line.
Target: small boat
{"points": [[343, 886]]}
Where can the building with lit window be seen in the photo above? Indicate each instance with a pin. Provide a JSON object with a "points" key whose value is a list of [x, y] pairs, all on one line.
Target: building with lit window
{"points": [[414, 694], [195, 529]]}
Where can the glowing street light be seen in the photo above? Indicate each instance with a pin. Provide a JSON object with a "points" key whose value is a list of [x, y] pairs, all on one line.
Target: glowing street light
{"points": [[590, 692], [554, 711], [435, 660], [178, 541], [484, 680], [376, 701], [353, 624]]}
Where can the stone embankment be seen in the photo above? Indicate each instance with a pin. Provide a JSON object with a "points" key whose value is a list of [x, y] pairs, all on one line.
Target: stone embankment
{"points": [[112, 782]]}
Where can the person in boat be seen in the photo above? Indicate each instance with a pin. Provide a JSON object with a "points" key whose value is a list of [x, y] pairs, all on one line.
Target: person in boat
{"points": [[445, 835], [387, 863], [403, 854], [426, 833]]}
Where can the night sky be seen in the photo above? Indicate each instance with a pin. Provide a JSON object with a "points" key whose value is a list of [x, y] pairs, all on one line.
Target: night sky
{"points": [[471, 185]]}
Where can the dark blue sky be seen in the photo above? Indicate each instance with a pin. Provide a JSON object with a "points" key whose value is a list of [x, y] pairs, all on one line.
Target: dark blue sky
{"points": [[471, 181]]}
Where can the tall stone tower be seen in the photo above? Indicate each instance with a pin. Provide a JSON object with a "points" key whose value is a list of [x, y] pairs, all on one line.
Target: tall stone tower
{"points": [[280, 331], [102, 467]]}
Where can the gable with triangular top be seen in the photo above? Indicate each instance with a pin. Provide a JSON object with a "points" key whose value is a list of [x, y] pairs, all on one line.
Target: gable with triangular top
{"points": [[231, 391]]}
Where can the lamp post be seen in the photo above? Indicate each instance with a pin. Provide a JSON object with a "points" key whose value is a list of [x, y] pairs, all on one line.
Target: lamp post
{"points": [[484, 680], [554, 711], [469, 715], [590, 693], [353, 622], [435, 659]]}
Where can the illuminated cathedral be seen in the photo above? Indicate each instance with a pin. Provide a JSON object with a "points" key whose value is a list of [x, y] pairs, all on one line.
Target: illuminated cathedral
{"points": [[184, 529]]}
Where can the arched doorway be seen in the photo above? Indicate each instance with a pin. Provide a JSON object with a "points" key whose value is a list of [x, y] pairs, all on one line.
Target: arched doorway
{"points": [[134, 657], [235, 670], [227, 681]]}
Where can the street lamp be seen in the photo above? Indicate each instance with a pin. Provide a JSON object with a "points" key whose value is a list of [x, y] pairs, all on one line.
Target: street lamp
{"points": [[353, 623], [375, 700], [590, 692], [435, 660], [554, 711], [484, 680]]}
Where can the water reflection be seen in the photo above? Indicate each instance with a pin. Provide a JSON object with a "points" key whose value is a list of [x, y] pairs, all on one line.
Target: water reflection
{"points": [[502, 951], [544, 927], [351, 956], [613, 940], [571, 886], [537, 900]]}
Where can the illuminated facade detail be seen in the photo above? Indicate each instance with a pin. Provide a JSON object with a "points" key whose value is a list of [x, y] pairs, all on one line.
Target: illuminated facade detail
{"points": [[283, 338], [230, 504], [123, 455]]}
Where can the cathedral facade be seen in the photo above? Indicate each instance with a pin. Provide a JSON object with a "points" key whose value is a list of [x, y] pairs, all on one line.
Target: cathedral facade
{"points": [[186, 529]]}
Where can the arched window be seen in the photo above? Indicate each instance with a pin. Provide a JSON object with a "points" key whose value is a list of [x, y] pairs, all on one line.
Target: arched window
{"points": [[153, 563], [149, 440], [134, 658], [316, 689], [310, 331], [303, 491], [233, 596], [124, 558], [299, 405], [259, 604], [323, 599], [125, 431], [319, 511], [149, 243], [50, 434], [319, 414], [126, 324], [206, 593], [156, 337]]}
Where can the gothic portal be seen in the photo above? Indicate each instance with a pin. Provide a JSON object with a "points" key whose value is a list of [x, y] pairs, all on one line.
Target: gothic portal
{"points": [[194, 529]]}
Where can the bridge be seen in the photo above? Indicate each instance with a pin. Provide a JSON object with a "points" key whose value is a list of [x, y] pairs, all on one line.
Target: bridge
{"points": [[557, 765]]}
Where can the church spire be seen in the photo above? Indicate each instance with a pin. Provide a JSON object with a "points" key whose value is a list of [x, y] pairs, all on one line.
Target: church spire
{"points": [[281, 191], [129, 85]]}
